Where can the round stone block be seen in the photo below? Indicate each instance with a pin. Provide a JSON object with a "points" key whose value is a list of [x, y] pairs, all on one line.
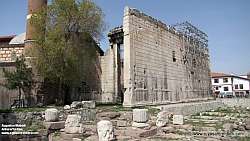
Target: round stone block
{"points": [[51, 114], [140, 115]]}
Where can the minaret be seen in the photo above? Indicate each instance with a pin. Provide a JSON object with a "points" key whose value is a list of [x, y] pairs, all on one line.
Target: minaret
{"points": [[33, 6]]}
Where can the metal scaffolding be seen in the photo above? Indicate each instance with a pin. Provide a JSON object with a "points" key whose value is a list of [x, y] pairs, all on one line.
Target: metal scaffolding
{"points": [[193, 32]]}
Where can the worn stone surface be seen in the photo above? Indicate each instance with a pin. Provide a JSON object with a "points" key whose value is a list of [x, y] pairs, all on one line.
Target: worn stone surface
{"points": [[51, 115], [76, 139], [162, 119], [140, 115], [248, 124], [88, 115], [105, 130], [191, 108], [178, 119], [55, 125], [148, 133], [152, 62], [73, 125], [108, 115], [140, 125], [66, 107], [168, 129], [88, 104], [121, 123], [76, 104]]}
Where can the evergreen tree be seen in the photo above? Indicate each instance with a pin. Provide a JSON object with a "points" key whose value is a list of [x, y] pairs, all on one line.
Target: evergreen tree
{"points": [[20, 78]]}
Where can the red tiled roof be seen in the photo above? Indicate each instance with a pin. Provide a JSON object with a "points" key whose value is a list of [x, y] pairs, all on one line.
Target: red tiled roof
{"points": [[6, 38], [218, 74]]}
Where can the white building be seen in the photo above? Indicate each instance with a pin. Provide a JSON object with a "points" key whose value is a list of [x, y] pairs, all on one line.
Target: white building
{"points": [[230, 85]]}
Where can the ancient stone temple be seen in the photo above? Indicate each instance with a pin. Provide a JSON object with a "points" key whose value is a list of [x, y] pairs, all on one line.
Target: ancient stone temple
{"points": [[151, 63], [147, 62]]}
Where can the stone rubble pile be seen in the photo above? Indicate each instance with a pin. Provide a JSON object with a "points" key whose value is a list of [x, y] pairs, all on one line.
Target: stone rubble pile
{"points": [[141, 124]]}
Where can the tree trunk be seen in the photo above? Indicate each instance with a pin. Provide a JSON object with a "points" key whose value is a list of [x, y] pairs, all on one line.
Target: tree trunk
{"points": [[19, 97], [60, 97]]}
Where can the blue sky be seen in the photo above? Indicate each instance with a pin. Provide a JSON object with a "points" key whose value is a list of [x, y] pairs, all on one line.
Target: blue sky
{"points": [[227, 23]]}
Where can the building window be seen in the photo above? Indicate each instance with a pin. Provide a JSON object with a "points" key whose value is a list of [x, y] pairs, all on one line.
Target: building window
{"points": [[216, 88], [216, 80], [225, 88], [241, 86], [173, 55], [225, 80], [236, 86]]}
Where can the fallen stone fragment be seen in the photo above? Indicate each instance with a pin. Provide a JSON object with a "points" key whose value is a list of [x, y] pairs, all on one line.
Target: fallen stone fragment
{"points": [[66, 107], [105, 130], [76, 104], [162, 119], [168, 129], [51, 115], [247, 126], [178, 119], [73, 125], [88, 115], [140, 115], [148, 133], [54, 125], [121, 123]]}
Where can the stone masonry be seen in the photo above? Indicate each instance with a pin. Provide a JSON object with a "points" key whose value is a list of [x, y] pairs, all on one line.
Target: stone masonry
{"points": [[161, 65]]}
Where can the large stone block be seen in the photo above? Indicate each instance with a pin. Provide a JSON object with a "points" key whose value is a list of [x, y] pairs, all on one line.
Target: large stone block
{"points": [[73, 125], [76, 104], [55, 125], [105, 130], [140, 115], [88, 104], [178, 119], [51, 115], [88, 115]]}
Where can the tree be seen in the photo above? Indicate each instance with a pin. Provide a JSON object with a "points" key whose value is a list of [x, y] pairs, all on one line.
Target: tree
{"points": [[20, 78], [65, 43]]}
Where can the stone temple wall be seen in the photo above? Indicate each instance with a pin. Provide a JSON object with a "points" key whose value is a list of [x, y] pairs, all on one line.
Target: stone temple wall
{"points": [[107, 77], [160, 65], [110, 80]]}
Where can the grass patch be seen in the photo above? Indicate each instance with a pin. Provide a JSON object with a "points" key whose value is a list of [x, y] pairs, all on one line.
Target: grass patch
{"points": [[242, 138], [109, 107], [33, 109], [153, 111], [5, 110], [34, 126]]}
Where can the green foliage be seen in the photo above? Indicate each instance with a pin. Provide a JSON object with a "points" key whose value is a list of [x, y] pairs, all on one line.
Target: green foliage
{"points": [[64, 41], [21, 78]]}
